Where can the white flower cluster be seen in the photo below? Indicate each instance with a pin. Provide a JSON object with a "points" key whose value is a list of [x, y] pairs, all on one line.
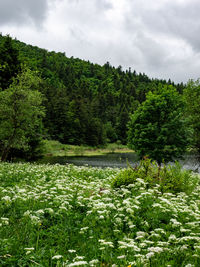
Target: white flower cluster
{"points": [[130, 225]]}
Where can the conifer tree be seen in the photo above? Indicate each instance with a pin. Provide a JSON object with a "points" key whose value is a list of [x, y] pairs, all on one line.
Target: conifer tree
{"points": [[9, 63]]}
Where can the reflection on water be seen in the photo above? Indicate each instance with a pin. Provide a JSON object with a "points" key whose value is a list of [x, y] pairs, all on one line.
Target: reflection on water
{"points": [[191, 162], [119, 160]]}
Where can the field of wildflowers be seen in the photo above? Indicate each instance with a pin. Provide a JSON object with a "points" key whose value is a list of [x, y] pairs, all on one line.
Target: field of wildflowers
{"points": [[53, 215]]}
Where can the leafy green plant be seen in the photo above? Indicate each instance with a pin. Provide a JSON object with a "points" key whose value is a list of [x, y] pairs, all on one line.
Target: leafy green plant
{"points": [[170, 178], [50, 146], [176, 179], [145, 170], [125, 177]]}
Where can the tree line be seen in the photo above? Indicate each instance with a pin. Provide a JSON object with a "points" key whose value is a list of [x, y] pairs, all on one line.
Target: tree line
{"points": [[83, 103]]}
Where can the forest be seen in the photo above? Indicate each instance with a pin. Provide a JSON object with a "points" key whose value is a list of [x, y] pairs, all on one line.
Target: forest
{"points": [[83, 103]]}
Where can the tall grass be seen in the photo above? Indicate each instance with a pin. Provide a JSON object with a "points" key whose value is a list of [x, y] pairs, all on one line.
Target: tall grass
{"points": [[55, 148]]}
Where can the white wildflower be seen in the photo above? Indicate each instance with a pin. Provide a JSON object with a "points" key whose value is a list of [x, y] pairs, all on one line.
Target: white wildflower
{"points": [[83, 229], [7, 199], [57, 257], [71, 250], [35, 220], [5, 221], [27, 213], [39, 212], [78, 263], [175, 222], [149, 255], [155, 249], [49, 210], [28, 250], [141, 235], [79, 257], [121, 257], [93, 262], [172, 237], [129, 210]]}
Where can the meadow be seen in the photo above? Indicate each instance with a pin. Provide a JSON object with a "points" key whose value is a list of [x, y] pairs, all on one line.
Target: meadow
{"points": [[55, 148], [53, 215]]}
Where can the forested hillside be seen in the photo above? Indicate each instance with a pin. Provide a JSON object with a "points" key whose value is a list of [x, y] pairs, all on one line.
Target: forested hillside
{"points": [[85, 103]]}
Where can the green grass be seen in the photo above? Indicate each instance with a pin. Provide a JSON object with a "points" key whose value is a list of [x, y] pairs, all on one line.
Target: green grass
{"points": [[54, 148], [71, 216]]}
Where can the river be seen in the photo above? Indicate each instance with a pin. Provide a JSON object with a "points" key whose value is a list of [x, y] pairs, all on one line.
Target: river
{"points": [[117, 160]]}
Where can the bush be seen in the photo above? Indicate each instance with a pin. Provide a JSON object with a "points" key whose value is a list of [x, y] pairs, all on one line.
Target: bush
{"points": [[125, 177], [172, 179], [146, 170], [176, 179]]}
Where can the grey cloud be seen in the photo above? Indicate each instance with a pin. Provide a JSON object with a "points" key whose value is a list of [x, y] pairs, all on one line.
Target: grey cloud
{"points": [[100, 4], [90, 7], [22, 11], [179, 20], [145, 39], [160, 38], [184, 22], [153, 52], [167, 36], [103, 4]]}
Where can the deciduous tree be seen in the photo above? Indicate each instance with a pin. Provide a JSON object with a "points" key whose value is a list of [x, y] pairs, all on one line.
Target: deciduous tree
{"points": [[157, 128], [21, 113]]}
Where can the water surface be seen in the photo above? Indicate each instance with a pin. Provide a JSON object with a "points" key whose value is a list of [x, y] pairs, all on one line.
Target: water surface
{"points": [[117, 160]]}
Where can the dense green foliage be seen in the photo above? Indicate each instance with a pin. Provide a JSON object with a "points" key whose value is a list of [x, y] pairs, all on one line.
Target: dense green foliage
{"points": [[70, 216], [9, 62], [157, 129], [192, 99], [171, 178], [21, 114], [85, 103]]}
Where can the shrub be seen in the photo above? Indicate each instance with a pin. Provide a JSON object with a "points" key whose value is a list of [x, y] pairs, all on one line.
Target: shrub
{"points": [[176, 179], [170, 178], [125, 177], [146, 170]]}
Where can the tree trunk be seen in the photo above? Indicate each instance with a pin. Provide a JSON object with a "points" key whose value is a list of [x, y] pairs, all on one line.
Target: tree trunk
{"points": [[7, 148], [5, 153]]}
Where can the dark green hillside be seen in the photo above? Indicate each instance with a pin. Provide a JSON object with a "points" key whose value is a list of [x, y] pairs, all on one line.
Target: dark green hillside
{"points": [[85, 103]]}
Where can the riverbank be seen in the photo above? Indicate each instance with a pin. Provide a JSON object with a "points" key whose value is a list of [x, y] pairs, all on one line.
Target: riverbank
{"points": [[113, 155], [56, 149]]}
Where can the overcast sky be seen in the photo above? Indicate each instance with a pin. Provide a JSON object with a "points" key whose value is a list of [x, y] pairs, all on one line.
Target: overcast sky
{"points": [[158, 37]]}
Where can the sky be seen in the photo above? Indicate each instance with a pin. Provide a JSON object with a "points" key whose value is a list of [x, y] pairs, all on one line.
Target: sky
{"points": [[160, 38]]}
